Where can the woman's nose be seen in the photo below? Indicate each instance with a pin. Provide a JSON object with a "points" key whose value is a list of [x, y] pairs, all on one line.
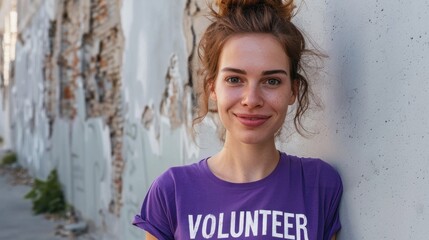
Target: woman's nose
{"points": [[252, 97]]}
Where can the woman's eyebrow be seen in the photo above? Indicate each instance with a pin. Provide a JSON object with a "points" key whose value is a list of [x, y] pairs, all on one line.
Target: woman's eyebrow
{"points": [[241, 71], [276, 71], [236, 70]]}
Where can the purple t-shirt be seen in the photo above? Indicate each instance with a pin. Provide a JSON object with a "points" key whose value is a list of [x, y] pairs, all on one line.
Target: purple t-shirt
{"points": [[298, 200]]}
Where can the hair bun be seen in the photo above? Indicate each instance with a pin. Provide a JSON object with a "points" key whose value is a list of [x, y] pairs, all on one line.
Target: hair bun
{"points": [[283, 7]]}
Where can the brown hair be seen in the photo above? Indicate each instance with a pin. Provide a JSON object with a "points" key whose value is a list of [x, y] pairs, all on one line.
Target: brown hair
{"points": [[253, 16]]}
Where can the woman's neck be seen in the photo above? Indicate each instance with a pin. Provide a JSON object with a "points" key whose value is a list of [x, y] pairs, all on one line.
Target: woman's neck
{"points": [[240, 163]]}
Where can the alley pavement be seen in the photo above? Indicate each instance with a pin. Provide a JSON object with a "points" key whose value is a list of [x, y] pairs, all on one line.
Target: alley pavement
{"points": [[17, 221]]}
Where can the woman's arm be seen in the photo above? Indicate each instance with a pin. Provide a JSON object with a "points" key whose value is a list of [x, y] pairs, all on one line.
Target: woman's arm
{"points": [[333, 237], [151, 237]]}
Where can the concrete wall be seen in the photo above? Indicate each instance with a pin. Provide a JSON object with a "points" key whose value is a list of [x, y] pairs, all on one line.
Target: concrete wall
{"points": [[109, 141], [375, 93]]}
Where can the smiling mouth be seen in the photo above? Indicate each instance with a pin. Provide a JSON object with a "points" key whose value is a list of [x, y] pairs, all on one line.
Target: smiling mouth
{"points": [[252, 120]]}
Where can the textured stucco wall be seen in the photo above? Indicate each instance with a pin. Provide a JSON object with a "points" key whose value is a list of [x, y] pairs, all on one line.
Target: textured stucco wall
{"points": [[375, 94]]}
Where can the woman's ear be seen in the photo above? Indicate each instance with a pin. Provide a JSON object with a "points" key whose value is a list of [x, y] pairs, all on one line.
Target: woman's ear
{"points": [[212, 91], [213, 96], [295, 90]]}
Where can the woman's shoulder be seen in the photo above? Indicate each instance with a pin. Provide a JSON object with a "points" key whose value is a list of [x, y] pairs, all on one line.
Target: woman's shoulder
{"points": [[317, 170], [179, 174]]}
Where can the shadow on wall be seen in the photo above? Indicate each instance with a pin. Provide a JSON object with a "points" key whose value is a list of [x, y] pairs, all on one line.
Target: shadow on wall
{"points": [[347, 56]]}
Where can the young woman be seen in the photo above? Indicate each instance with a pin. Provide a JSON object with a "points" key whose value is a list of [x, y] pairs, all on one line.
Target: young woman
{"points": [[251, 57]]}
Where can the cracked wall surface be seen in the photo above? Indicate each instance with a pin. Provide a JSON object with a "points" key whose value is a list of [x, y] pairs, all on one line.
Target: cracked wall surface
{"points": [[195, 22], [73, 114], [89, 61]]}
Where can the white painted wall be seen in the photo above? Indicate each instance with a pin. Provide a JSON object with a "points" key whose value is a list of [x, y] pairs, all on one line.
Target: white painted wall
{"points": [[154, 46], [30, 132]]}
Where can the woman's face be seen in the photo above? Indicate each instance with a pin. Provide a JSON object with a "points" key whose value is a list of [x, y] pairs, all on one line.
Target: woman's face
{"points": [[253, 88]]}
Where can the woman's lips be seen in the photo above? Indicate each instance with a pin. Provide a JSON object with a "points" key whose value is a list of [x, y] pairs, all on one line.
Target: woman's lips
{"points": [[252, 120]]}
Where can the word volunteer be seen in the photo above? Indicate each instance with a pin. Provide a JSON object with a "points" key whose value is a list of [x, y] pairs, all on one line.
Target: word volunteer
{"points": [[284, 225]]}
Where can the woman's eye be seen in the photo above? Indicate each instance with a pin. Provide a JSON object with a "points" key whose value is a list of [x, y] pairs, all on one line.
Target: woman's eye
{"points": [[233, 80], [273, 81]]}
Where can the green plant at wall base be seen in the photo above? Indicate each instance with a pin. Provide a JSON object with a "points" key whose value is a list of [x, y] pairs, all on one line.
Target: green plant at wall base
{"points": [[8, 159], [47, 196]]}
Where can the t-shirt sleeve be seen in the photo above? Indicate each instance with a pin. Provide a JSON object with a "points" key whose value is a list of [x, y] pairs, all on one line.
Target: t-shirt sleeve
{"points": [[332, 223], [157, 209]]}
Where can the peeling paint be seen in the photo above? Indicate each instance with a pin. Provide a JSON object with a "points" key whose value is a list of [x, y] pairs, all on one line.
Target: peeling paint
{"points": [[171, 102], [147, 117], [64, 47], [194, 23]]}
